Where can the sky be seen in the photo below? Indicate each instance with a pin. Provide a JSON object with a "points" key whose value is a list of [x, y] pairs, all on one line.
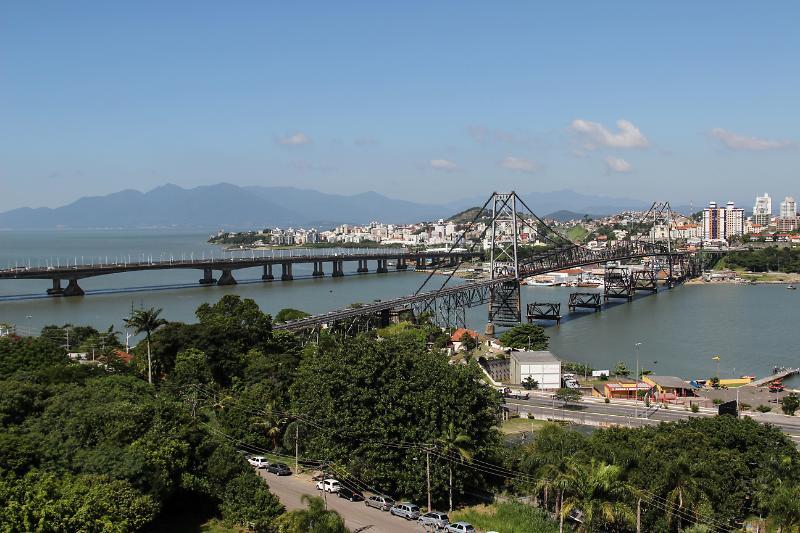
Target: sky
{"points": [[425, 101]]}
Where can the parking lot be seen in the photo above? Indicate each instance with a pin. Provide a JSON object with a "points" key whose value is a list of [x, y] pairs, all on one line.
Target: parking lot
{"points": [[357, 516]]}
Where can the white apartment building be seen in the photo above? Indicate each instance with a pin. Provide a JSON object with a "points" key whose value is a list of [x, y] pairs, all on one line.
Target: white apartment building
{"points": [[721, 223], [762, 210], [788, 208]]}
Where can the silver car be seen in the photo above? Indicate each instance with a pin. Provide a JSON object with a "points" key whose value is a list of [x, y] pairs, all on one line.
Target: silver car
{"points": [[406, 510], [460, 527], [435, 519], [384, 503]]}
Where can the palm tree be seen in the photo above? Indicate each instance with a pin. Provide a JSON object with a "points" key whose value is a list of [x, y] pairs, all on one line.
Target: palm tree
{"points": [[685, 494], [454, 443], [314, 519], [598, 491], [146, 321], [272, 423]]}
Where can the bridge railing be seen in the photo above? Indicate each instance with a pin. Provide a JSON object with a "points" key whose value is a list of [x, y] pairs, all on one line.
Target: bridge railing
{"points": [[227, 257]]}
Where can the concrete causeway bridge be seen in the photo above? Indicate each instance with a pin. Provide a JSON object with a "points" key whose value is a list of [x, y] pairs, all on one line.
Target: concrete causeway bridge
{"points": [[71, 274]]}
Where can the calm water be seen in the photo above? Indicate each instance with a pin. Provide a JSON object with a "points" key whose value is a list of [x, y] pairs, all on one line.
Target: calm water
{"points": [[752, 327]]}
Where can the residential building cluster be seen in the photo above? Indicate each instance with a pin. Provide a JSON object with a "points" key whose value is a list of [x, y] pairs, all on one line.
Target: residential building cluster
{"points": [[723, 223]]}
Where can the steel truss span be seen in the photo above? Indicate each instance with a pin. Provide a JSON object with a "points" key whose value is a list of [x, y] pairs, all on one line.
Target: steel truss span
{"points": [[446, 304]]}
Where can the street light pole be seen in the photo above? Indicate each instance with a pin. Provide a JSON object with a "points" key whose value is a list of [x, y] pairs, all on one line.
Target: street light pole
{"points": [[428, 473]]}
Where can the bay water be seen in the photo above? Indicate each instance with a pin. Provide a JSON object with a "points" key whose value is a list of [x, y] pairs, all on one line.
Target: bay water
{"points": [[751, 327]]}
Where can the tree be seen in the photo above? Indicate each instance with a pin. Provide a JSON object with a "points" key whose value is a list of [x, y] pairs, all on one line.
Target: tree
{"points": [[314, 519], [621, 369], [287, 314], [530, 384], [599, 492], [784, 508], [525, 337], [468, 342], [714, 382], [790, 404], [454, 443], [248, 502], [685, 495], [146, 321], [566, 395]]}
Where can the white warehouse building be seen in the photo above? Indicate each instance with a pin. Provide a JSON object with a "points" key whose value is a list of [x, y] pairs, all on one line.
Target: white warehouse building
{"points": [[542, 366]]}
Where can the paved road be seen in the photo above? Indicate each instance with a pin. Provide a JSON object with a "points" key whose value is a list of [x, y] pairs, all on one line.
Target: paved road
{"points": [[599, 413], [357, 516]]}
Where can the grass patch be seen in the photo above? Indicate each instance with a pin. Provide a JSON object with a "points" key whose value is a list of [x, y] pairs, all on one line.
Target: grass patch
{"points": [[577, 233], [520, 425], [507, 518]]}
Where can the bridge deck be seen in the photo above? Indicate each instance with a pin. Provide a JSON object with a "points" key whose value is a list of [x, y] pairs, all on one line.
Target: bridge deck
{"points": [[85, 270]]}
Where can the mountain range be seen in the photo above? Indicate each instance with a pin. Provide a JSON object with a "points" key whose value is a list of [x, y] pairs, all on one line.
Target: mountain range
{"points": [[233, 207]]}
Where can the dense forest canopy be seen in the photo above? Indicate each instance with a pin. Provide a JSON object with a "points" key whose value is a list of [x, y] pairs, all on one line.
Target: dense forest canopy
{"points": [[96, 447]]}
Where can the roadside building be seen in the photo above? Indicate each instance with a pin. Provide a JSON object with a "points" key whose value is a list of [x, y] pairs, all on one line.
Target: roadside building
{"points": [[458, 335], [542, 366], [669, 387], [624, 390]]}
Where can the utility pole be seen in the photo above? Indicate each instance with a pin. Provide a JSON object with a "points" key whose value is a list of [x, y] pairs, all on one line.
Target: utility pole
{"points": [[636, 388], [428, 473]]}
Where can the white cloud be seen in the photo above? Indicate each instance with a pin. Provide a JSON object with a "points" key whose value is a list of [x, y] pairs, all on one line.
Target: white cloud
{"points": [[596, 135], [617, 164], [519, 164], [482, 134], [740, 142], [296, 139], [443, 164]]}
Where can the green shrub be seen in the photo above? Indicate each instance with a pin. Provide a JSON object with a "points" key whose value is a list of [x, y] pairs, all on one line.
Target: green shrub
{"points": [[763, 408], [508, 517], [695, 408]]}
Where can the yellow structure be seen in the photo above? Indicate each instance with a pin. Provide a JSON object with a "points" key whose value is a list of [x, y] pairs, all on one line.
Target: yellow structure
{"points": [[734, 382]]}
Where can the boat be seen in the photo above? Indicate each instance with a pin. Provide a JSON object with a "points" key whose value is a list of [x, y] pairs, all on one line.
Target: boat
{"points": [[791, 287]]}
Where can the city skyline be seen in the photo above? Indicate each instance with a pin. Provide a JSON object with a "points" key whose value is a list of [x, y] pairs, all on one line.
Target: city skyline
{"points": [[634, 101]]}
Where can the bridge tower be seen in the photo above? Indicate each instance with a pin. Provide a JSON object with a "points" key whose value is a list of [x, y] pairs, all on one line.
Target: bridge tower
{"points": [[505, 308]]}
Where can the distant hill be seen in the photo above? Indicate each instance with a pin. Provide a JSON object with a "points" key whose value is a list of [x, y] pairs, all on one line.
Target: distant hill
{"points": [[564, 215], [468, 215], [220, 206], [233, 207]]}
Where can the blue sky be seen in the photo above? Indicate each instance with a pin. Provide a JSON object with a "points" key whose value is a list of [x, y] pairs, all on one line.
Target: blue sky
{"points": [[427, 101]]}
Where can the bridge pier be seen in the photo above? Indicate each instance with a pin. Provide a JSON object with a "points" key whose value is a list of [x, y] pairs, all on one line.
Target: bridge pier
{"points": [[208, 277], [56, 290], [338, 268], [401, 264], [267, 275], [286, 272], [382, 266], [419, 264], [73, 289], [226, 278], [363, 267], [318, 272]]}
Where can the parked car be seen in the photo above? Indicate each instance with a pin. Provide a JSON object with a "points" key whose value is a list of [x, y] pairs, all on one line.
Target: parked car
{"points": [[279, 469], [508, 393], [384, 503], [258, 461], [329, 485], [460, 527], [349, 493], [435, 519], [406, 510]]}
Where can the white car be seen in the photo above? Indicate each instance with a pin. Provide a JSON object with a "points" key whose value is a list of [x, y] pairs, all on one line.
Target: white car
{"points": [[258, 461], [329, 485], [460, 527]]}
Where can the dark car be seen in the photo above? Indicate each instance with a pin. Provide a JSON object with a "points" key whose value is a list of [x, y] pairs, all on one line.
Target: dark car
{"points": [[279, 469], [349, 493]]}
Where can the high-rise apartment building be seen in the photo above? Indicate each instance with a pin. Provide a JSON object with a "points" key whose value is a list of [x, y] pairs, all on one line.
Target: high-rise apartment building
{"points": [[788, 208], [762, 210], [721, 223], [787, 221]]}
